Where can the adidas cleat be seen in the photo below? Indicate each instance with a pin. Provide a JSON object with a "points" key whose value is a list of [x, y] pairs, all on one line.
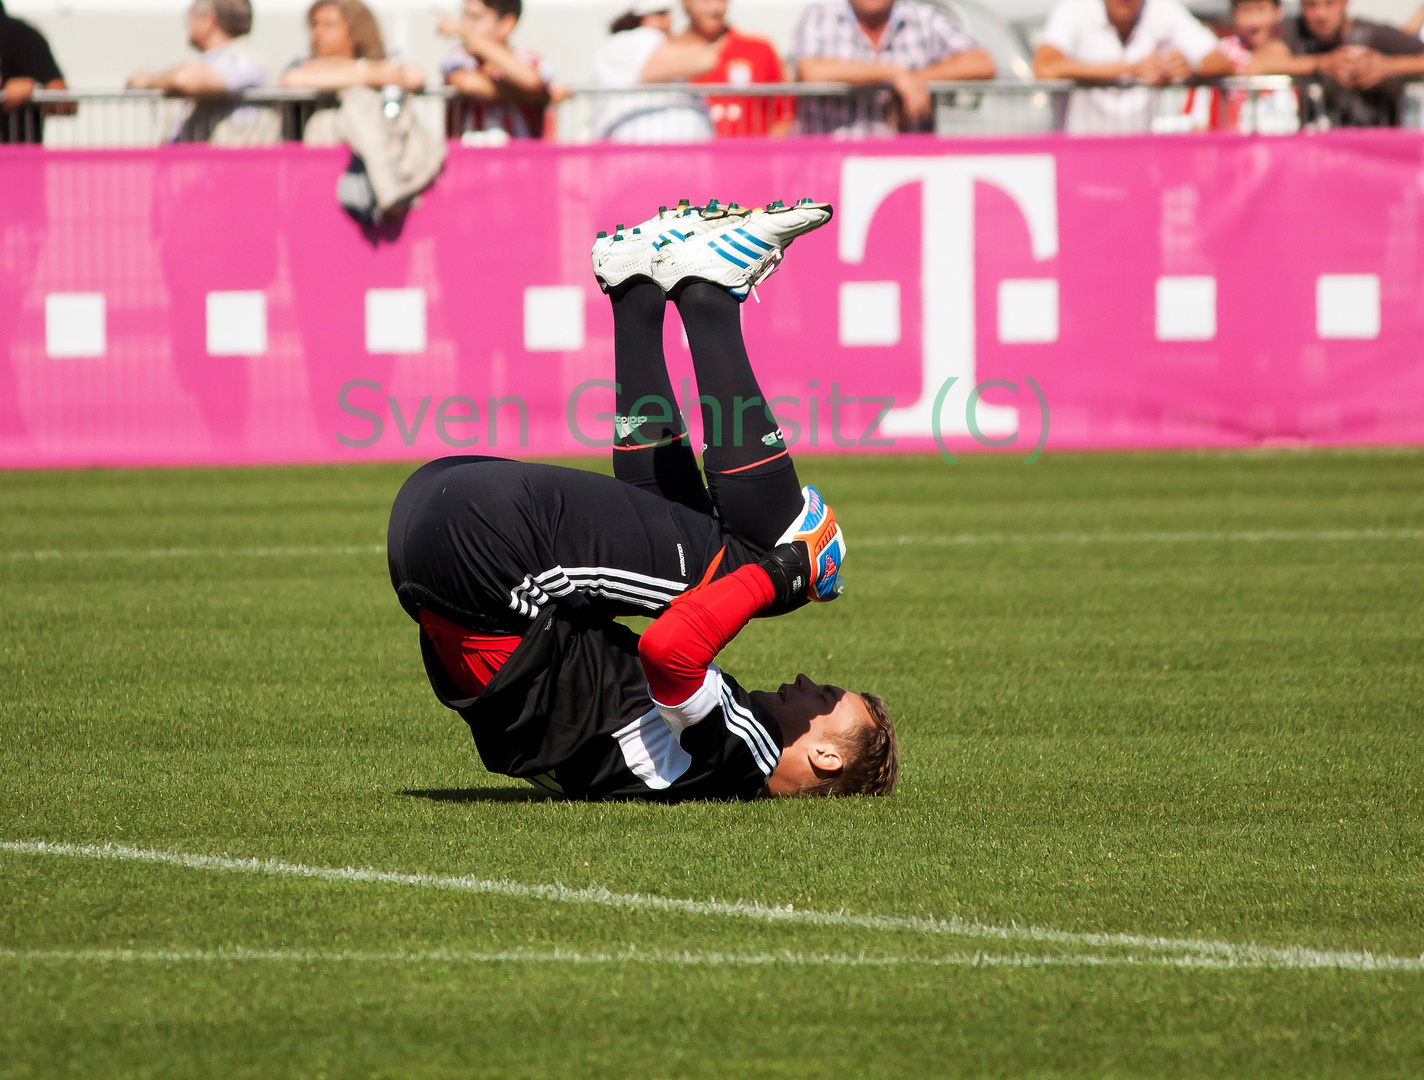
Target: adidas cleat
{"points": [[816, 528], [695, 221], [741, 252], [628, 253]]}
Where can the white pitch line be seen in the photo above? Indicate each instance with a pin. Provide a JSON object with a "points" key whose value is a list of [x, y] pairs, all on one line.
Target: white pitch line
{"points": [[969, 539], [651, 957], [194, 553], [1248, 537], [1230, 953]]}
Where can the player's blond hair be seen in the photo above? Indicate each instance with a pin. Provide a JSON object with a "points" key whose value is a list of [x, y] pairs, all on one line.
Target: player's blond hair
{"points": [[871, 756]]}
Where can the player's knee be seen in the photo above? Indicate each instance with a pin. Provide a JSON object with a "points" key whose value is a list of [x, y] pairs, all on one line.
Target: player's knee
{"points": [[701, 301]]}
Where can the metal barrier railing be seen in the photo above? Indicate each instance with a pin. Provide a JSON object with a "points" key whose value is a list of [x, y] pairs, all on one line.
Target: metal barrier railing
{"points": [[680, 112]]}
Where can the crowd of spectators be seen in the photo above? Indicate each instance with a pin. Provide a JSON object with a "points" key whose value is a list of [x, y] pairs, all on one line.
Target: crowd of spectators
{"points": [[884, 54]]}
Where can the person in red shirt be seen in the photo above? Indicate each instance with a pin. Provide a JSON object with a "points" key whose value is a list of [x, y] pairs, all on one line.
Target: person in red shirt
{"points": [[741, 61]]}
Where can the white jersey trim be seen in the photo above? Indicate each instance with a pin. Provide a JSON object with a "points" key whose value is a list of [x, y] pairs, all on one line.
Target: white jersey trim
{"points": [[651, 750], [699, 706], [742, 724]]}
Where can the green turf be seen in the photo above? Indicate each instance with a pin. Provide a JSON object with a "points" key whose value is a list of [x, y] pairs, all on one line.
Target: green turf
{"points": [[1186, 732]]}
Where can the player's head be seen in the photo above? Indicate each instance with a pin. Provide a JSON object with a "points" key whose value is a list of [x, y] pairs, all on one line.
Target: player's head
{"points": [[834, 742]]}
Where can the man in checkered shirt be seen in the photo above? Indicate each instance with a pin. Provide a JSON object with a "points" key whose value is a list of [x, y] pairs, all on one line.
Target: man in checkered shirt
{"points": [[893, 48]]}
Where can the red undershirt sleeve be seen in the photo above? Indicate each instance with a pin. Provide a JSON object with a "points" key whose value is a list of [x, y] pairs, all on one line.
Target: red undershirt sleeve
{"points": [[677, 649]]}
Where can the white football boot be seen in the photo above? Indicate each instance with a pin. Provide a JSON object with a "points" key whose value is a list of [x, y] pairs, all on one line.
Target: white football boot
{"points": [[741, 253], [628, 253]]}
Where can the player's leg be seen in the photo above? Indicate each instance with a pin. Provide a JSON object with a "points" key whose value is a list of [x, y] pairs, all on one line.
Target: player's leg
{"points": [[750, 473], [650, 447], [486, 543]]}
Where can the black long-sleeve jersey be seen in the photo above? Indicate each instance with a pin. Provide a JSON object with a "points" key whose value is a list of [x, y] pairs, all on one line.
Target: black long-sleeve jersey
{"points": [[570, 712]]}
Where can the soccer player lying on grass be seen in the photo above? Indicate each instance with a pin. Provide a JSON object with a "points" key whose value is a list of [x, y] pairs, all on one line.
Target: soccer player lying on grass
{"points": [[515, 572]]}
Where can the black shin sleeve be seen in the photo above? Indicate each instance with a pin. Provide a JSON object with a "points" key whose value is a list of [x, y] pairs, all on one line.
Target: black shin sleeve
{"points": [[749, 469], [650, 446]]}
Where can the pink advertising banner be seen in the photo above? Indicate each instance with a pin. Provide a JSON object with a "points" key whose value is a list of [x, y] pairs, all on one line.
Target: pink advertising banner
{"points": [[190, 305]]}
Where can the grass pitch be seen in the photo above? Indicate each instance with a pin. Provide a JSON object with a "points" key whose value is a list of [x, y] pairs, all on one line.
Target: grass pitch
{"points": [[1163, 696]]}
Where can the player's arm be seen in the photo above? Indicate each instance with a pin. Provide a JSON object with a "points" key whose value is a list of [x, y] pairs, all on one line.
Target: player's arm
{"points": [[679, 647]]}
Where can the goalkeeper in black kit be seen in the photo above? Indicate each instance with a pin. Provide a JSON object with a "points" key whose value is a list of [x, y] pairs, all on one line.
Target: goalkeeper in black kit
{"points": [[516, 572]]}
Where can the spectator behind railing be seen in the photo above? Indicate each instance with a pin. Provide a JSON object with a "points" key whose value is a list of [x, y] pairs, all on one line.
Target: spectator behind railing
{"points": [[26, 63], [1359, 62], [346, 51], [639, 52], [226, 65], [501, 89], [905, 43], [1153, 43], [741, 61], [1254, 24]]}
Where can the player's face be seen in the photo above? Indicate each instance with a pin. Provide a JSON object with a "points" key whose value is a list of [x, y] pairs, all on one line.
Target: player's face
{"points": [[799, 705], [1324, 18], [708, 17], [330, 36], [1255, 21]]}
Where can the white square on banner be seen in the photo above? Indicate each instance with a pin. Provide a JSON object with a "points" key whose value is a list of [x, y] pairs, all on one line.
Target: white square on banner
{"points": [[75, 325], [1186, 308], [1028, 310], [1347, 305], [395, 320], [553, 318], [870, 313], [237, 323]]}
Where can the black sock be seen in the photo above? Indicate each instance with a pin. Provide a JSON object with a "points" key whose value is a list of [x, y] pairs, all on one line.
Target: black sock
{"points": [[749, 470], [650, 445]]}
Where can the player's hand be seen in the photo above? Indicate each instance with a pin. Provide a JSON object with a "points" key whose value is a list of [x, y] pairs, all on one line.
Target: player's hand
{"points": [[789, 567]]}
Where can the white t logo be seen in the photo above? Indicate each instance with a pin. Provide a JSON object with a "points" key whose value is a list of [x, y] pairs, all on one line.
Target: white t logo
{"points": [[947, 261]]}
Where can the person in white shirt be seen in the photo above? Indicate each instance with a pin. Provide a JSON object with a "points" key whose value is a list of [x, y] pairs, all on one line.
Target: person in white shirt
{"points": [[1147, 43], [639, 51], [226, 66]]}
